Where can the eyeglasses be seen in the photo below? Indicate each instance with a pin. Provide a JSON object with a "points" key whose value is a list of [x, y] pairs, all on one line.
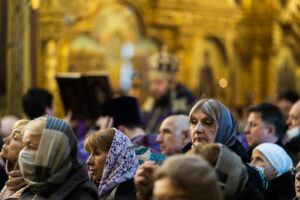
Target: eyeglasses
{"points": [[295, 171]]}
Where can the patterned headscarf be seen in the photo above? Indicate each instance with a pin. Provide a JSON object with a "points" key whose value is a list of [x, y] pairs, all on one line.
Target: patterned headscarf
{"points": [[227, 127], [120, 165], [54, 160]]}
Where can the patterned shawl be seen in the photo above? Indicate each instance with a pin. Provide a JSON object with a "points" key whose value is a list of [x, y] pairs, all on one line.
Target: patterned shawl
{"points": [[120, 165], [227, 128], [56, 158]]}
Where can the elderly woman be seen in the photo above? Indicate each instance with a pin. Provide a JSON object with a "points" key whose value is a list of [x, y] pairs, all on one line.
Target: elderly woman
{"points": [[187, 177], [211, 122], [273, 161], [112, 164], [49, 162], [10, 151]]}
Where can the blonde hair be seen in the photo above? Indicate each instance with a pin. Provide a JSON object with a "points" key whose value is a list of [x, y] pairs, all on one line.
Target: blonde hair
{"points": [[36, 126], [20, 124], [101, 140], [210, 107]]}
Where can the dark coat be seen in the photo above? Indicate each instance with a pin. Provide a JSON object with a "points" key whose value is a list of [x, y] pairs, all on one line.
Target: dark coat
{"points": [[281, 188], [77, 187], [251, 192], [293, 149], [126, 191]]}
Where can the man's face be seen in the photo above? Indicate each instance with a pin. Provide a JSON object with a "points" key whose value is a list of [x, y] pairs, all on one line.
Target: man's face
{"points": [[294, 116], [159, 87], [170, 141], [256, 130], [297, 181]]}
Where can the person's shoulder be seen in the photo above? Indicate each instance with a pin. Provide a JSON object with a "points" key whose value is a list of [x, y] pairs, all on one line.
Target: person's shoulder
{"points": [[84, 191], [240, 150], [282, 186], [126, 191]]}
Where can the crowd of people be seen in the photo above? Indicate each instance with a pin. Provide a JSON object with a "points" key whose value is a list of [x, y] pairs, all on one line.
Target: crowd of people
{"points": [[177, 147]]}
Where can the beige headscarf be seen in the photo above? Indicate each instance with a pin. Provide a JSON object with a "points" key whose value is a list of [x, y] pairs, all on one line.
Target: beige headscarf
{"points": [[231, 171]]}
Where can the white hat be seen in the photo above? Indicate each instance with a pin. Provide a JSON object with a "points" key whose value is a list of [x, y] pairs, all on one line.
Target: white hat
{"points": [[277, 157]]}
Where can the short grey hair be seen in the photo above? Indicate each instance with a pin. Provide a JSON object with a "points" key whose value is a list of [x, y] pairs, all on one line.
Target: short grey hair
{"points": [[210, 107]]}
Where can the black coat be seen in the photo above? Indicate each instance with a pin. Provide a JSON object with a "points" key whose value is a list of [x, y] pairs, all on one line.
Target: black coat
{"points": [[293, 149], [251, 192], [281, 188], [126, 191]]}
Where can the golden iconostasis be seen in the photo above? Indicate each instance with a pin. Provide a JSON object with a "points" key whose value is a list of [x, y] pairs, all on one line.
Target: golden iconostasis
{"points": [[240, 52]]}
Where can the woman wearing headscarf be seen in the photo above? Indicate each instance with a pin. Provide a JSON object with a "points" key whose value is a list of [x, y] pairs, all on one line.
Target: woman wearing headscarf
{"points": [[112, 164], [10, 151], [232, 172], [211, 122], [49, 163], [273, 161]]}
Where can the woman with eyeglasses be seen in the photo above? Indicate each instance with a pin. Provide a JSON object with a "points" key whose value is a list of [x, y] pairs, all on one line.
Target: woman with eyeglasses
{"points": [[273, 161]]}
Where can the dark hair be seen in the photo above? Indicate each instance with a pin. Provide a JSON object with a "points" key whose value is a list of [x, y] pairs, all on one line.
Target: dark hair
{"points": [[289, 95], [36, 101], [271, 114]]}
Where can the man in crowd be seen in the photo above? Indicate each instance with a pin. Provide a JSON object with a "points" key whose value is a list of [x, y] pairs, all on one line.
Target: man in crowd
{"points": [[265, 124], [38, 102], [167, 96], [124, 114], [292, 137], [174, 134]]}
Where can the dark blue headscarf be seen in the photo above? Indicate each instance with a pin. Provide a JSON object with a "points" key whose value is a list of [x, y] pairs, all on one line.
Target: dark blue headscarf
{"points": [[227, 127]]}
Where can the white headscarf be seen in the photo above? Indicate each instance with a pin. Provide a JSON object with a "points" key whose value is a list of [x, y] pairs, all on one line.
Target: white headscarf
{"points": [[277, 157]]}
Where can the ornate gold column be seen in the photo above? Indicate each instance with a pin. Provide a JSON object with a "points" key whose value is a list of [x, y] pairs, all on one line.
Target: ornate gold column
{"points": [[18, 54]]}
